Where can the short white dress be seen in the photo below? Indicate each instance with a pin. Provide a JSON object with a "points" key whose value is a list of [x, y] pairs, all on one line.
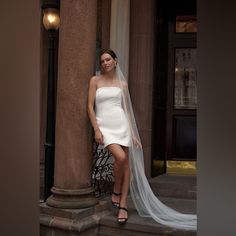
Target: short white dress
{"points": [[110, 116]]}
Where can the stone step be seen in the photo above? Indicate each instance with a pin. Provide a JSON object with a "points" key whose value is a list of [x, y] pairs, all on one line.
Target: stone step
{"points": [[176, 186], [137, 225], [176, 191]]}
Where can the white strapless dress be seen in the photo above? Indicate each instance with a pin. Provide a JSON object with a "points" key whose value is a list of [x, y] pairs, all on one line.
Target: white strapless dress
{"points": [[110, 116]]}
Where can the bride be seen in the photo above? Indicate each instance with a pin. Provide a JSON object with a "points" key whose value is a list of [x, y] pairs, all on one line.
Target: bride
{"points": [[111, 115]]}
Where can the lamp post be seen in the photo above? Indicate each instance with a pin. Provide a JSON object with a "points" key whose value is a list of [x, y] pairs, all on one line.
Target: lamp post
{"points": [[51, 22]]}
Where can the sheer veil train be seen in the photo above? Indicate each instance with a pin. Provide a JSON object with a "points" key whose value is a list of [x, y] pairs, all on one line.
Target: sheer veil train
{"points": [[146, 203]]}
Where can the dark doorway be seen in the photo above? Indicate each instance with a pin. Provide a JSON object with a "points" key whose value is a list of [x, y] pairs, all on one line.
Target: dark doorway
{"points": [[175, 99]]}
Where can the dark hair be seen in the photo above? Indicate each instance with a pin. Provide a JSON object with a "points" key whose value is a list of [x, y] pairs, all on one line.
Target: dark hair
{"points": [[108, 51]]}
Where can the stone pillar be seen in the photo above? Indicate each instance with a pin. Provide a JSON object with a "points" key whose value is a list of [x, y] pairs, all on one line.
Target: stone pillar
{"points": [[141, 70], [119, 32], [73, 144]]}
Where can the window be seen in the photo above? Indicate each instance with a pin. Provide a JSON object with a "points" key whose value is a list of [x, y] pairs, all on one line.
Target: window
{"points": [[185, 94], [186, 24]]}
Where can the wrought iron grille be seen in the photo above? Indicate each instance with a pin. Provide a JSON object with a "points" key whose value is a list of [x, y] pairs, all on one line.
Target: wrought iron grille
{"points": [[102, 171]]}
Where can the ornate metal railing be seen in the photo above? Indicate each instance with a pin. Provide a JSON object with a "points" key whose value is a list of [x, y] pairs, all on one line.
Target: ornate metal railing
{"points": [[102, 171]]}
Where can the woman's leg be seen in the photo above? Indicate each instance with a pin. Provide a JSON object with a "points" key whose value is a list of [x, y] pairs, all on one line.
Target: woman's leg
{"points": [[122, 175], [125, 187], [120, 157]]}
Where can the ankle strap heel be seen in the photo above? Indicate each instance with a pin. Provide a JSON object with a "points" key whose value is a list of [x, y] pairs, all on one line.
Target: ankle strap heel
{"points": [[122, 220], [115, 204]]}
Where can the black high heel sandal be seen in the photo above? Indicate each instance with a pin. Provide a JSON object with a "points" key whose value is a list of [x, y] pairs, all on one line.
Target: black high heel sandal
{"points": [[115, 204], [122, 220]]}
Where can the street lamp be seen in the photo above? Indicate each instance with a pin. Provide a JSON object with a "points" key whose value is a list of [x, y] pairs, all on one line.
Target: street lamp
{"points": [[51, 22], [51, 17]]}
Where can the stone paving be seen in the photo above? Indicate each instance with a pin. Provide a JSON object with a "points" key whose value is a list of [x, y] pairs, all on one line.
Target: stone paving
{"points": [[178, 192]]}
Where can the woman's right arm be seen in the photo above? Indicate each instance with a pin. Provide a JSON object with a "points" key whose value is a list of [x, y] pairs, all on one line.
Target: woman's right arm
{"points": [[90, 109]]}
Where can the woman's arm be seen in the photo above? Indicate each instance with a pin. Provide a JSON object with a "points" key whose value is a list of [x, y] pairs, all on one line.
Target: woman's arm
{"points": [[90, 109]]}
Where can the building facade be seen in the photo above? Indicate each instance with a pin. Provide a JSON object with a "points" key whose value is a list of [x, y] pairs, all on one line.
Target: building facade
{"points": [[155, 42]]}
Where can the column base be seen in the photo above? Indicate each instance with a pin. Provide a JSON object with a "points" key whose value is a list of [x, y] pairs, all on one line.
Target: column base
{"points": [[72, 222], [72, 199]]}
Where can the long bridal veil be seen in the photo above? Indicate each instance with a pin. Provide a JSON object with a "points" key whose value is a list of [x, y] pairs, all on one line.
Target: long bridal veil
{"points": [[146, 203]]}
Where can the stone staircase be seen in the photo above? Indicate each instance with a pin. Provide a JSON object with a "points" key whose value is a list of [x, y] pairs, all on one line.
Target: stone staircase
{"points": [[176, 191]]}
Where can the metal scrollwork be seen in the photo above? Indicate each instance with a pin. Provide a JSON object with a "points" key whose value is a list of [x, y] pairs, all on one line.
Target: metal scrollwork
{"points": [[102, 171]]}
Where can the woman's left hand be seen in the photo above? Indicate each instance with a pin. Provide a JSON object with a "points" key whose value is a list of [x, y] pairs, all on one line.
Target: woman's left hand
{"points": [[136, 142]]}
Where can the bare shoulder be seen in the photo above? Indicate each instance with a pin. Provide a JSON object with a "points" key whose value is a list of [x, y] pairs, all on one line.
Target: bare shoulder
{"points": [[94, 81]]}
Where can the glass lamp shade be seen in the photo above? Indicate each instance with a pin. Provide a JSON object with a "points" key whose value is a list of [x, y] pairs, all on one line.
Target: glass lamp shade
{"points": [[51, 18]]}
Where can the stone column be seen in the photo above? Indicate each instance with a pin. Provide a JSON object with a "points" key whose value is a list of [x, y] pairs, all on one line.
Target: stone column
{"points": [[119, 32], [141, 70], [73, 144]]}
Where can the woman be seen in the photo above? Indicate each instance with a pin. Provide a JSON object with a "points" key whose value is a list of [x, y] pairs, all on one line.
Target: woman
{"points": [[115, 128], [111, 127]]}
